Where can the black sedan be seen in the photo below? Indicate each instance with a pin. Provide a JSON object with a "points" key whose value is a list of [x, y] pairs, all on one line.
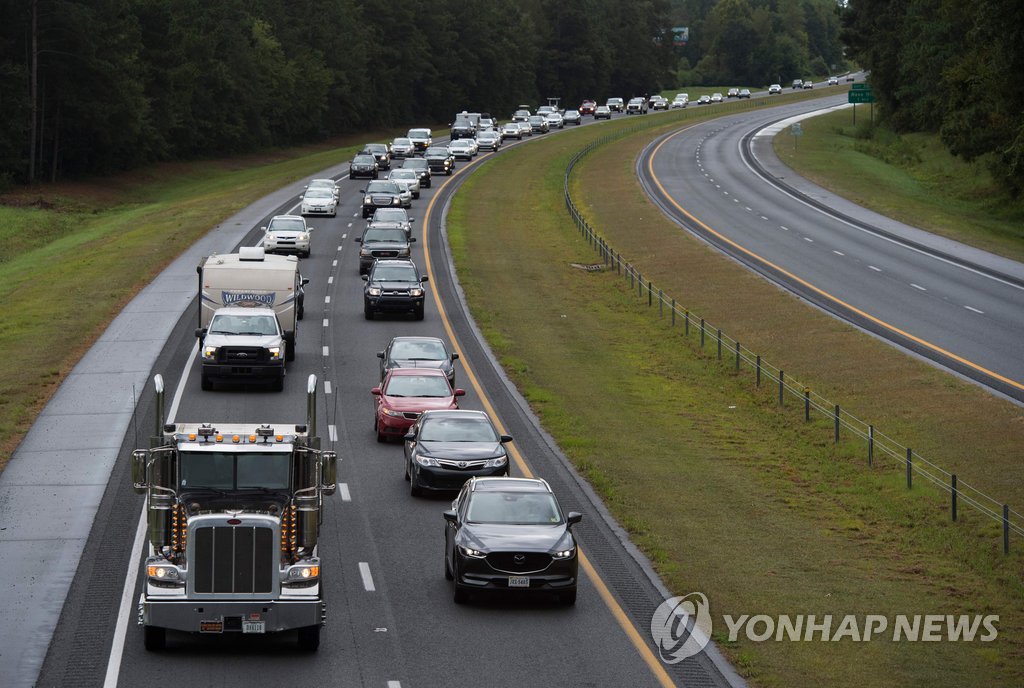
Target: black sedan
{"points": [[418, 352], [509, 534], [443, 449], [393, 286]]}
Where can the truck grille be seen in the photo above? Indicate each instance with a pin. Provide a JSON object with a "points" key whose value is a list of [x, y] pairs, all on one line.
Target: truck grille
{"points": [[234, 560], [389, 253], [382, 200], [242, 355]]}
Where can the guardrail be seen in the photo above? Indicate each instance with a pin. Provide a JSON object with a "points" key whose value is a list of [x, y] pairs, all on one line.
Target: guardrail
{"points": [[880, 447]]}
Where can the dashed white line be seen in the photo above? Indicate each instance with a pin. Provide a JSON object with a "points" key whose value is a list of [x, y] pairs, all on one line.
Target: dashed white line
{"points": [[749, 209], [327, 351], [332, 431], [327, 386], [327, 299], [809, 239], [330, 280], [872, 267], [718, 186], [727, 193], [364, 572], [975, 310], [838, 253], [346, 496], [764, 218], [918, 286], [394, 684], [326, 323], [784, 228], [334, 263], [350, 224]]}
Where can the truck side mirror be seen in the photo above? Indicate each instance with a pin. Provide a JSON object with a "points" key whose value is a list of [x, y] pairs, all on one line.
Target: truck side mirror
{"points": [[139, 479], [329, 470], [201, 332]]}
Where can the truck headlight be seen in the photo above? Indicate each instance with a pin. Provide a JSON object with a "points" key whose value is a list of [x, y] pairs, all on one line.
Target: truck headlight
{"points": [[373, 291], [367, 201], [365, 252], [304, 572], [275, 353], [209, 352], [416, 291], [162, 572]]}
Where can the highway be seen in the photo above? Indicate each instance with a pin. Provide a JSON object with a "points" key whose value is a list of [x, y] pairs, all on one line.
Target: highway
{"points": [[391, 620], [954, 305]]}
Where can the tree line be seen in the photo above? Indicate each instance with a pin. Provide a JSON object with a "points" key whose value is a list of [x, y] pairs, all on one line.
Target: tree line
{"points": [[95, 86], [951, 67]]}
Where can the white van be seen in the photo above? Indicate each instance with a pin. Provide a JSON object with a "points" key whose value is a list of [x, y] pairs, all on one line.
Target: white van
{"points": [[252, 277]]}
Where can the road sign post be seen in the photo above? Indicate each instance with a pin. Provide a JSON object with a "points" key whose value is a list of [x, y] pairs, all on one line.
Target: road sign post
{"points": [[861, 93]]}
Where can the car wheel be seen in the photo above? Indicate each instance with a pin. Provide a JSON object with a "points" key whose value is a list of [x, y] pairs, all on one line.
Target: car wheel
{"points": [[414, 487], [300, 312], [460, 595], [447, 570], [418, 312], [448, 172], [309, 638], [381, 437], [407, 478], [368, 312], [567, 598], [306, 254], [289, 351], [278, 384], [206, 384], [155, 638]]}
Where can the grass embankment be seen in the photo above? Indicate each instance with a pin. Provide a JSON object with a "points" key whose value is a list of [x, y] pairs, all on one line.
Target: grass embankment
{"points": [[911, 178], [73, 254], [726, 493]]}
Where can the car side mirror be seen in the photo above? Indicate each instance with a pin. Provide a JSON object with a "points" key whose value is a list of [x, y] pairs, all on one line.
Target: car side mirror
{"points": [[451, 517], [411, 220], [455, 356], [412, 240], [410, 437], [424, 279], [362, 191], [375, 391], [506, 438], [305, 281], [263, 229], [380, 354], [573, 518], [460, 392], [366, 278]]}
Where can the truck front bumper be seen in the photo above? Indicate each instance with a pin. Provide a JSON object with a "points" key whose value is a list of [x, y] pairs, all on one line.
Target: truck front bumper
{"points": [[207, 616]]}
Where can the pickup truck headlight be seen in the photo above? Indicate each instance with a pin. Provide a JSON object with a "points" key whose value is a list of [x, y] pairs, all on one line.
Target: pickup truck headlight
{"points": [[416, 291], [367, 200], [365, 252], [275, 353], [373, 291], [209, 352]]}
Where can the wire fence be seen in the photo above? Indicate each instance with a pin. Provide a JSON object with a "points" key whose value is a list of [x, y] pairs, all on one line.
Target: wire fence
{"points": [[880, 447]]}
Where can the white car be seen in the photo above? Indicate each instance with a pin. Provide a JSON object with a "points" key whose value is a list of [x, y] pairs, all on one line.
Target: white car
{"points": [[616, 104], [554, 120], [680, 101], [833, 81], [324, 184], [716, 97], [287, 234], [462, 149], [402, 147], [319, 201], [408, 177], [775, 89]]}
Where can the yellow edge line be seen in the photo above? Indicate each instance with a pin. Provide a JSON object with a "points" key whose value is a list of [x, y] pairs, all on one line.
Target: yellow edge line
{"points": [[620, 615], [817, 290]]}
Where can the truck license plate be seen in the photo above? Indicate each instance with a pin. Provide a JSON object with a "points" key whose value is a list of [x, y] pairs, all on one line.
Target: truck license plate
{"points": [[518, 581], [254, 626]]}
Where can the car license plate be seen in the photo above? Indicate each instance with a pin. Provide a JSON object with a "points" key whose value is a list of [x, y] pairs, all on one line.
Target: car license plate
{"points": [[518, 581], [254, 626]]}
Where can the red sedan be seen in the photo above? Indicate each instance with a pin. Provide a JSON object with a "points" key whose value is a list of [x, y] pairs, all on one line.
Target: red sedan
{"points": [[405, 394], [588, 107]]}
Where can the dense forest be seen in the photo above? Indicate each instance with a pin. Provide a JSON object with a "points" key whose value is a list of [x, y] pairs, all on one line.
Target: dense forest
{"points": [[92, 86], [951, 67]]}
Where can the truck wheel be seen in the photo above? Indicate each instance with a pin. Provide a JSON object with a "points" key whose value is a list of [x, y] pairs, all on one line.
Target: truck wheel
{"points": [[368, 312], [206, 384], [418, 312], [289, 352], [309, 638], [155, 638], [278, 384]]}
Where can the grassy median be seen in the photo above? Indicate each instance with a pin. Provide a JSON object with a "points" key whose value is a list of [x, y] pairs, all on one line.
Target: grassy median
{"points": [[728, 494]]}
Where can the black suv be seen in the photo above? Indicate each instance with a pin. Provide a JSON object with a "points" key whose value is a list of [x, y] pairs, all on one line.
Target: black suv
{"points": [[383, 242], [381, 194], [394, 286], [422, 168], [439, 159], [363, 166], [380, 152], [463, 128]]}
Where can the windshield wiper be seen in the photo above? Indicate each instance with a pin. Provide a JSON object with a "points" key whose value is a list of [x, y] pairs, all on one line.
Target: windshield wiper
{"points": [[264, 490], [204, 488]]}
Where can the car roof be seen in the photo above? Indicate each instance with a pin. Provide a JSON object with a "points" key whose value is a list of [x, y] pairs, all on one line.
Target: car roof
{"points": [[454, 413], [509, 484], [412, 338]]}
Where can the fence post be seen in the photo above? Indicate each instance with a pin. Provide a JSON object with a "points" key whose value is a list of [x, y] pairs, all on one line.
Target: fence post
{"points": [[702, 333], [737, 357], [719, 343], [1006, 528], [759, 370], [871, 443], [673, 312], [650, 294], [661, 303], [630, 279], [910, 468], [952, 492], [837, 424], [640, 284], [782, 384], [807, 403], [686, 316]]}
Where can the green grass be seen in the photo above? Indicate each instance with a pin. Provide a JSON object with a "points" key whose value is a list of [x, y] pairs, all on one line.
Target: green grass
{"points": [[911, 178], [726, 493]]}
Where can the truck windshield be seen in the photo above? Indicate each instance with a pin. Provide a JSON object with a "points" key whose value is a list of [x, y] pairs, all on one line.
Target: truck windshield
{"points": [[234, 471]]}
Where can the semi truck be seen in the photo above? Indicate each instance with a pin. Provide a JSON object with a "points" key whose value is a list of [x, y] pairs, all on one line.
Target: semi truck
{"points": [[233, 513]]}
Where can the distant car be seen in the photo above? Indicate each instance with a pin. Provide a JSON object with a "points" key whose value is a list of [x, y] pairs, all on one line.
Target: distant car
{"points": [[510, 534], [489, 140], [744, 93], [704, 100], [808, 83], [328, 184], [422, 139], [521, 115], [545, 109], [775, 89], [798, 83], [602, 112], [391, 218], [287, 234], [587, 107], [511, 131], [319, 201], [680, 101], [418, 352], [379, 242], [716, 97], [444, 449], [555, 120], [363, 166], [573, 117], [421, 167], [408, 177], [636, 106], [402, 148], [851, 77], [615, 104], [462, 127], [439, 159], [462, 149], [525, 127], [833, 81], [659, 103], [405, 393], [382, 194], [539, 124], [733, 93], [381, 152], [393, 286]]}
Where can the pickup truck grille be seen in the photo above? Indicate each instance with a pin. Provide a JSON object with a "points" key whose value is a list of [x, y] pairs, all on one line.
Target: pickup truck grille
{"points": [[382, 200], [234, 559], [242, 355]]}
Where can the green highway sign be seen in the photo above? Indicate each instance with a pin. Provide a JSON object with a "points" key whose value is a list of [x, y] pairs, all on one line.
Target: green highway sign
{"points": [[860, 96], [860, 87]]}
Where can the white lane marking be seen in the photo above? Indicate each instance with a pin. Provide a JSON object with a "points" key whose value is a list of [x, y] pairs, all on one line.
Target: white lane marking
{"points": [[134, 562], [809, 239], [343, 236], [718, 186], [327, 351], [350, 224], [327, 299], [872, 267], [346, 496], [394, 684], [364, 572], [975, 310], [330, 280], [918, 286], [353, 215], [763, 217], [332, 431], [838, 253], [334, 263], [727, 193], [327, 386], [749, 209], [325, 322], [783, 228]]}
